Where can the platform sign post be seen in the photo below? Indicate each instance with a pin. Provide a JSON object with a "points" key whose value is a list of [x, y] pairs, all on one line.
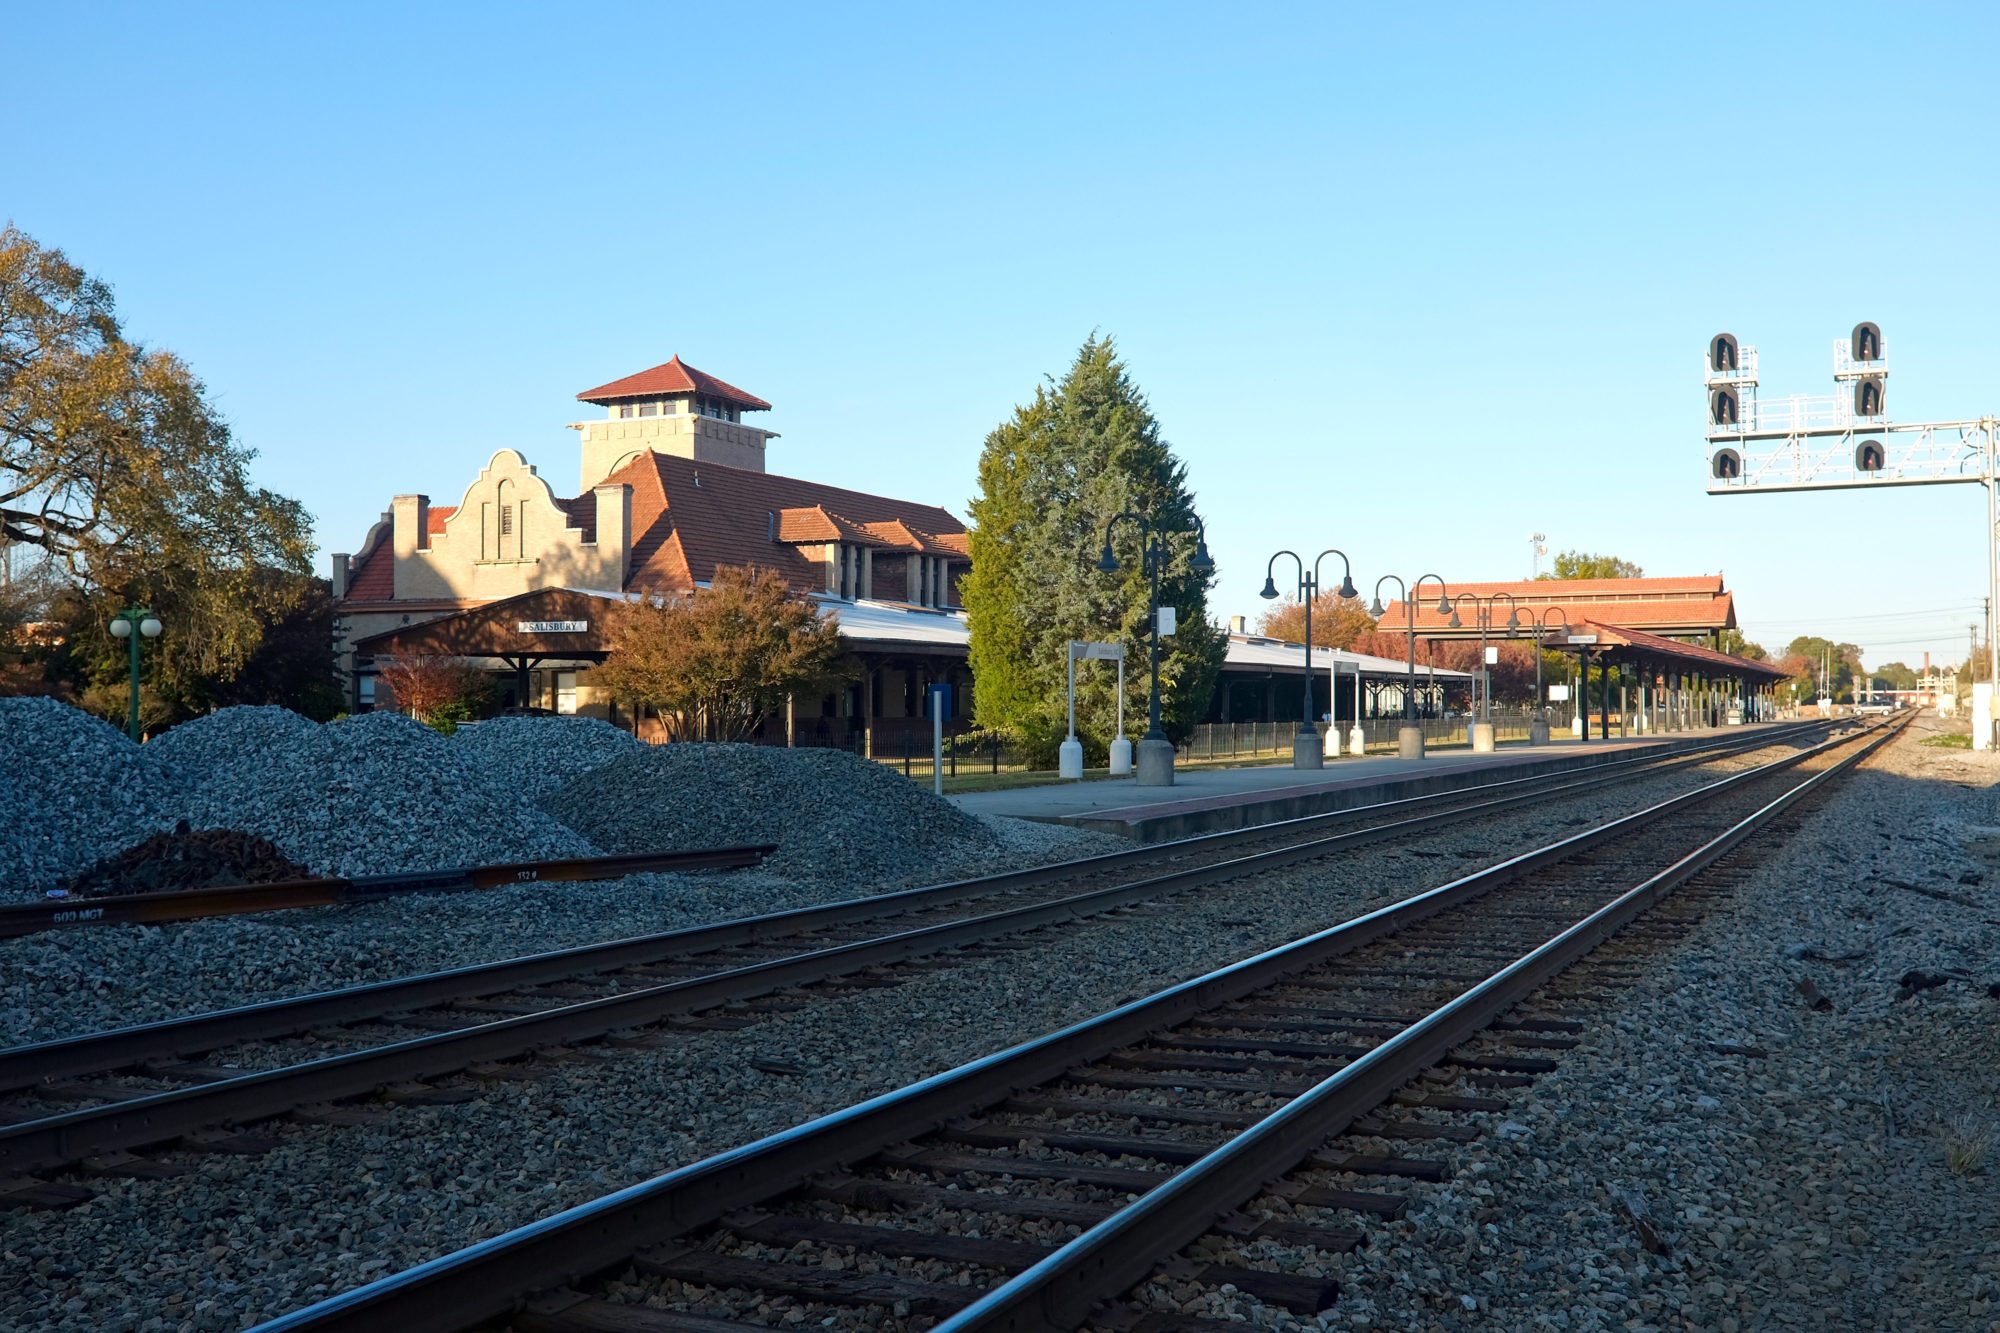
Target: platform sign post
{"points": [[940, 701], [1069, 756]]}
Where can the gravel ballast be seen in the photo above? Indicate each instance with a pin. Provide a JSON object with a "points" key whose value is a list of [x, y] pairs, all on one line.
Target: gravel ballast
{"points": [[330, 1208], [832, 814], [1810, 1187], [73, 790]]}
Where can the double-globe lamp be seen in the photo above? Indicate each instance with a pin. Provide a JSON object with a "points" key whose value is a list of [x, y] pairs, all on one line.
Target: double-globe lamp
{"points": [[122, 625]]}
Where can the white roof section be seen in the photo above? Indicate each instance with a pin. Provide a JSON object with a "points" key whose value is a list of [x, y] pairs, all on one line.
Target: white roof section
{"points": [[1256, 652], [864, 621]]}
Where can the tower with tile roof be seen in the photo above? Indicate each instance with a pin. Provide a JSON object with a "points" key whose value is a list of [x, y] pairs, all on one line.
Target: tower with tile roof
{"points": [[671, 409]]}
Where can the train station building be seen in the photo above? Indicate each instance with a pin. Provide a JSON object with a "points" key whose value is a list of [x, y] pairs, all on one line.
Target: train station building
{"points": [[518, 578]]}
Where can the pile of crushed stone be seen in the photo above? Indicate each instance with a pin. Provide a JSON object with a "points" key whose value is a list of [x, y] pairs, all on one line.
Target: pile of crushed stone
{"points": [[833, 815]]}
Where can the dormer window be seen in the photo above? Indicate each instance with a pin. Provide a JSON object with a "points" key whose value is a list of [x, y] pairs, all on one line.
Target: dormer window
{"points": [[649, 409]]}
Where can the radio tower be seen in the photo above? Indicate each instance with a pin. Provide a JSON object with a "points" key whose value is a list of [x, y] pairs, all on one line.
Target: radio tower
{"points": [[1539, 550]]}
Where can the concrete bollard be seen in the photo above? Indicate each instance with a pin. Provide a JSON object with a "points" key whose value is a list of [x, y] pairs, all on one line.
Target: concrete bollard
{"points": [[1306, 750], [1482, 738], [1156, 764], [1410, 742], [1069, 759], [1121, 757]]}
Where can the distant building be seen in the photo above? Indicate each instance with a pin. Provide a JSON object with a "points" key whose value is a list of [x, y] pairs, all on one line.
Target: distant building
{"points": [[672, 484]]}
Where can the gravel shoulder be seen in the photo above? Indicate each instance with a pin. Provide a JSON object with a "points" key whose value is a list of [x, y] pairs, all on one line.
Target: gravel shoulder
{"points": [[240, 1239], [1809, 1189]]}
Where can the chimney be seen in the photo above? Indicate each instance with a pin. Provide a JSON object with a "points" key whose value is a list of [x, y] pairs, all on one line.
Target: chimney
{"points": [[342, 562], [1239, 624], [614, 533]]}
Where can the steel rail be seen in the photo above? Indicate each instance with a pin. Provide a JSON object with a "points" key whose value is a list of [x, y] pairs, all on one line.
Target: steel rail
{"points": [[1060, 1291], [67, 1057], [55, 1140], [485, 1280], [145, 909]]}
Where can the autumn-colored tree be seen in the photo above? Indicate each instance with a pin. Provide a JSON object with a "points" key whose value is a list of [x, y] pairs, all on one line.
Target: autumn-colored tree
{"points": [[436, 690], [1337, 621], [714, 663]]}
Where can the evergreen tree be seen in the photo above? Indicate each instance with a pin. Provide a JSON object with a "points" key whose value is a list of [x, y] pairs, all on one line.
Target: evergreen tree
{"points": [[1051, 478]]}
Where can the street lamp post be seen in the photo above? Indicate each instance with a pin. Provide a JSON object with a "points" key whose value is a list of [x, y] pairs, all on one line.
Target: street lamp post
{"points": [[1410, 739], [1306, 746], [122, 626], [1480, 733], [1538, 726], [1156, 753]]}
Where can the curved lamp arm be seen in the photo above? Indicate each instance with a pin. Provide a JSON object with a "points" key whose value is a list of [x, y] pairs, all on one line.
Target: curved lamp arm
{"points": [[1108, 562], [1270, 579], [1347, 589], [1402, 592], [1444, 594]]}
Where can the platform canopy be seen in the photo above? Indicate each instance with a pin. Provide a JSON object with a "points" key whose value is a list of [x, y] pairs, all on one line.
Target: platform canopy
{"points": [[1675, 606], [1621, 645]]}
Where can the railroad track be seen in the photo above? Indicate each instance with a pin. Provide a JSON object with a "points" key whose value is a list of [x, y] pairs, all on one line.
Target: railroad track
{"points": [[152, 909], [1264, 1108], [92, 1100]]}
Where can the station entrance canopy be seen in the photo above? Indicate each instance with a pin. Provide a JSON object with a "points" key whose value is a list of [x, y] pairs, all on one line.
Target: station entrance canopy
{"points": [[550, 627]]}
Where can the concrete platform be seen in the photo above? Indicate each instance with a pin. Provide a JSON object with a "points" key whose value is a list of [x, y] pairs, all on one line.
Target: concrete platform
{"points": [[1207, 800]]}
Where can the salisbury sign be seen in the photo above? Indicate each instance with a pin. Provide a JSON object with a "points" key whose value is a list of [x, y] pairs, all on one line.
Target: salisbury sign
{"points": [[552, 627]]}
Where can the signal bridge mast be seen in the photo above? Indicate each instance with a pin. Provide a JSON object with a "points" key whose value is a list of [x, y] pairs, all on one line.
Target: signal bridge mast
{"points": [[1845, 441]]}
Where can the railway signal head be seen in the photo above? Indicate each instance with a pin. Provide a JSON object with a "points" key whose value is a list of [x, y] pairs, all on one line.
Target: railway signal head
{"points": [[1726, 465], [1868, 396], [1723, 354], [1869, 456]]}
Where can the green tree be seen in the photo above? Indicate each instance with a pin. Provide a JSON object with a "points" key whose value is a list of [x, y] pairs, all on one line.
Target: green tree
{"points": [[114, 463], [1051, 477], [1731, 641], [1584, 565], [714, 663], [281, 652], [1895, 676]]}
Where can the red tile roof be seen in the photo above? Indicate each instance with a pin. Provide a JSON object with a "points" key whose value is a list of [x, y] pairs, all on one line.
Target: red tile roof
{"points": [[372, 576], [897, 534], [667, 380], [1613, 601], [1691, 656], [438, 514], [689, 517], [815, 523]]}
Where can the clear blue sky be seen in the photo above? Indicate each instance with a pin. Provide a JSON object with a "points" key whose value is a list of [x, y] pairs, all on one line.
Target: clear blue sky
{"points": [[1414, 284]]}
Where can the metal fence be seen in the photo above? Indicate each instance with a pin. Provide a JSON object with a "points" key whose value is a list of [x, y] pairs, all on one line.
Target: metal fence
{"points": [[974, 754]]}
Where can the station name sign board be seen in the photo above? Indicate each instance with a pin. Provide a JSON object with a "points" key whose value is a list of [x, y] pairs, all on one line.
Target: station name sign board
{"points": [[552, 627]]}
